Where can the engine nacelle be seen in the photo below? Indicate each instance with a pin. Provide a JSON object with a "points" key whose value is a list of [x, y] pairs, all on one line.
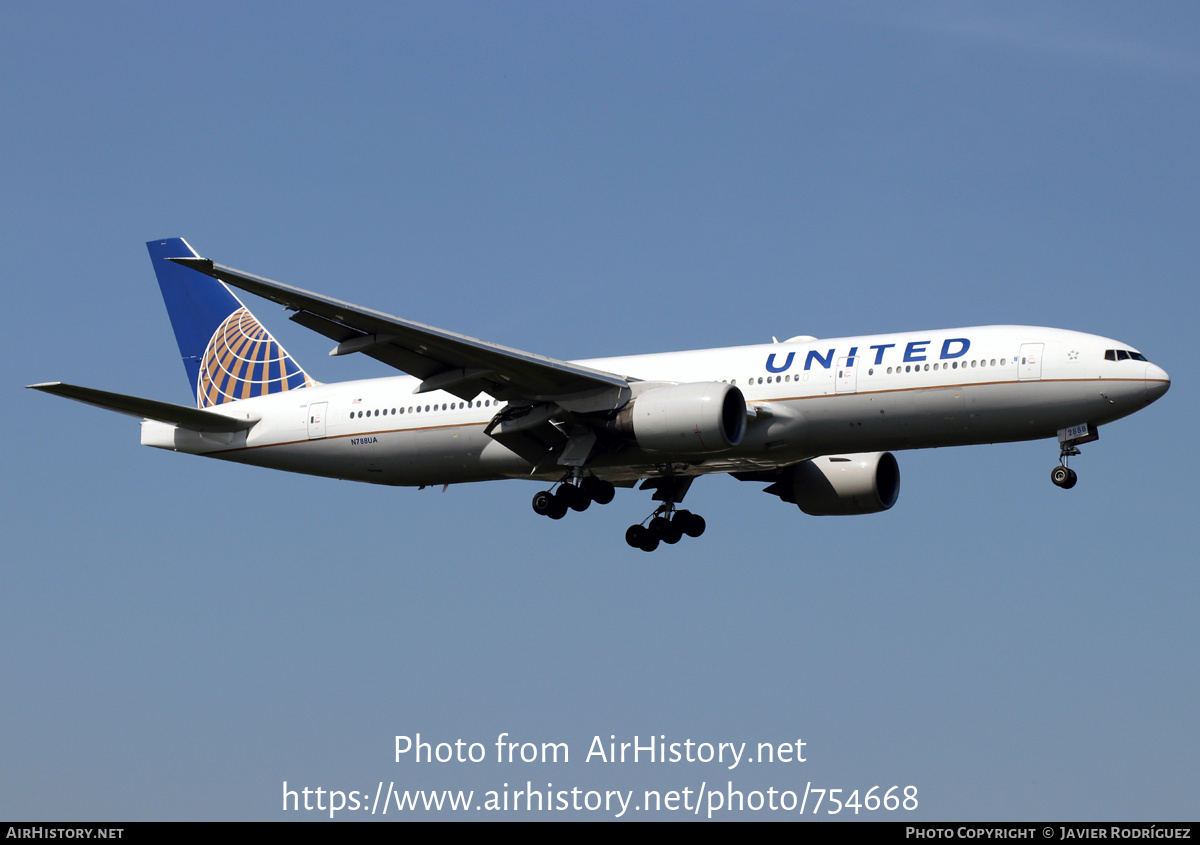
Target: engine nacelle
{"points": [[836, 485], [685, 419]]}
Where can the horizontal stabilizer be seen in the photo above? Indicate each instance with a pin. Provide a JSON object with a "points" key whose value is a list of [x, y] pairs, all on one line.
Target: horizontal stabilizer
{"points": [[180, 415]]}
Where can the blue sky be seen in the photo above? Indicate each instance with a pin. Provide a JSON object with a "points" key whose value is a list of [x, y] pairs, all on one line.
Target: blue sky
{"points": [[580, 180]]}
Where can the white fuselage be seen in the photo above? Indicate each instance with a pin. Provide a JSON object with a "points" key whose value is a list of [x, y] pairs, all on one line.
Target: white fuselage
{"points": [[804, 398]]}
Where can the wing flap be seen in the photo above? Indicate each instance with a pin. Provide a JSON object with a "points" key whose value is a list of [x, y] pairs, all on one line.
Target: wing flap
{"points": [[193, 419]]}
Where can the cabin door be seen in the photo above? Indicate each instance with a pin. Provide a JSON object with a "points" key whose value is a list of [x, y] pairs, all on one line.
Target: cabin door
{"points": [[316, 420], [1030, 365], [846, 376]]}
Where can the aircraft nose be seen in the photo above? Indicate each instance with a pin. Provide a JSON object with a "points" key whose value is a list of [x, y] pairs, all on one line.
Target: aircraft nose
{"points": [[1157, 382]]}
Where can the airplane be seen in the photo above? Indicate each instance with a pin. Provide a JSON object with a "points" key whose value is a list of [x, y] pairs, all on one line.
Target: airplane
{"points": [[815, 420]]}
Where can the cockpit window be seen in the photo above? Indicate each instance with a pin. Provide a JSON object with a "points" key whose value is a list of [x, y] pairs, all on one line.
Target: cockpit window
{"points": [[1123, 355]]}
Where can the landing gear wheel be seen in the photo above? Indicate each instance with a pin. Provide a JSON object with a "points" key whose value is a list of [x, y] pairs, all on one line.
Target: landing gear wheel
{"points": [[573, 497], [690, 523], [665, 530], [1063, 477], [641, 537], [598, 490], [672, 534], [543, 502], [558, 509]]}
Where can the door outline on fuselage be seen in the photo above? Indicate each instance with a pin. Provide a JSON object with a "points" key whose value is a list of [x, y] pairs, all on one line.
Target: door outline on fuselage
{"points": [[316, 420], [846, 376], [1030, 368]]}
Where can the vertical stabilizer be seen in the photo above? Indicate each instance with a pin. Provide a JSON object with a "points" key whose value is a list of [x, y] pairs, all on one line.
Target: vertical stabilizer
{"points": [[227, 353]]}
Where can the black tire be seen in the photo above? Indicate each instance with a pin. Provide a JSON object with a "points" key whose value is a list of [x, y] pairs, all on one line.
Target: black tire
{"points": [[1072, 479], [558, 508], [673, 533], [641, 537], [600, 491], [692, 524], [1061, 476], [543, 502], [573, 497]]}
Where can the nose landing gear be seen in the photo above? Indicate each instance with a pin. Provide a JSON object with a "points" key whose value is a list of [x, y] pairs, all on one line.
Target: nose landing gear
{"points": [[1069, 441], [1062, 475]]}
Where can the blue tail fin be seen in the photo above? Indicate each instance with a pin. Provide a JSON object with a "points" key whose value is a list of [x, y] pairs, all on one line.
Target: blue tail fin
{"points": [[227, 353]]}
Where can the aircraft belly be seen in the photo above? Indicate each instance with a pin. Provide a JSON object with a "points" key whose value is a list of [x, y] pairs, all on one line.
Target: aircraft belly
{"points": [[446, 455], [924, 418], [408, 458], [1031, 410]]}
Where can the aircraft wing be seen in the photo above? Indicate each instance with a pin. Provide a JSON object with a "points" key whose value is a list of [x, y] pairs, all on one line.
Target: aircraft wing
{"points": [[180, 415], [464, 366]]}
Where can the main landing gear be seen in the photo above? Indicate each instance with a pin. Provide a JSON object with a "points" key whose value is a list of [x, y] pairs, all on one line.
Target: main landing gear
{"points": [[667, 525], [575, 494]]}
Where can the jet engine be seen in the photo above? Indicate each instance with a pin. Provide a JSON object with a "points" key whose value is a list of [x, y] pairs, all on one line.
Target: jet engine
{"points": [[834, 485], [685, 419]]}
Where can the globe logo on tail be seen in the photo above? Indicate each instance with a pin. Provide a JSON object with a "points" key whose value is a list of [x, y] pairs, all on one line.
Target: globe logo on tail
{"points": [[243, 360]]}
